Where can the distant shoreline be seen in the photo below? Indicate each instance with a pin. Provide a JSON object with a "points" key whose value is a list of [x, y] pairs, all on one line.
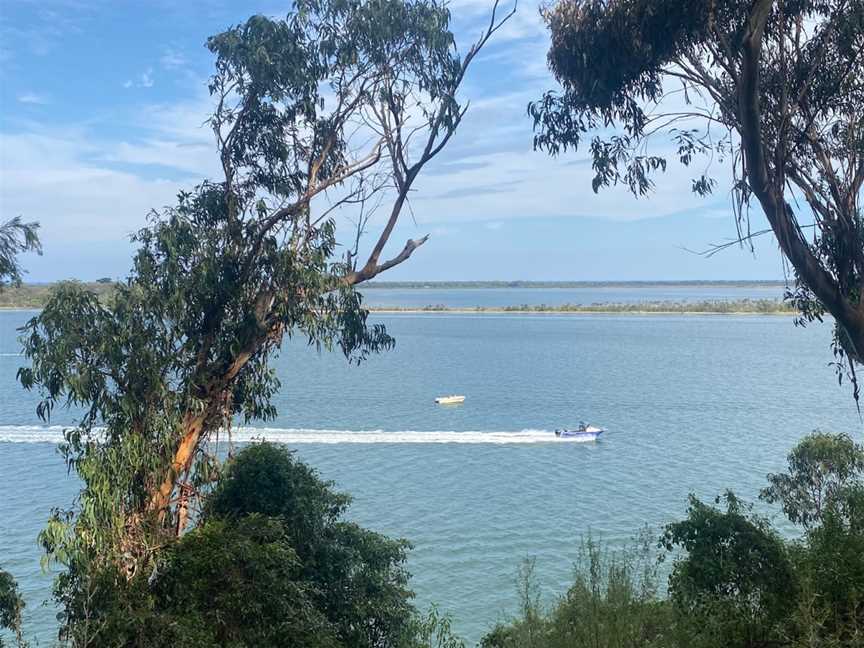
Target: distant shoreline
{"points": [[480, 310], [467, 285], [35, 296], [734, 307]]}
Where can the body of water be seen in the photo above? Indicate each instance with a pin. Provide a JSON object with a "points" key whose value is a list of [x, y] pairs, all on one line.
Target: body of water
{"points": [[692, 404]]}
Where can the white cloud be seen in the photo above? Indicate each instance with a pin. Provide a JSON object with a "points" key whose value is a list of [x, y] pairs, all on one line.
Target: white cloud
{"points": [[90, 202], [196, 159], [146, 80], [172, 59], [184, 121], [33, 98]]}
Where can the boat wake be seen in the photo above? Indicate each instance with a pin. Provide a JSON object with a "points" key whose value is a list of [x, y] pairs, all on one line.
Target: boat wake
{"points": [[297, 436]]}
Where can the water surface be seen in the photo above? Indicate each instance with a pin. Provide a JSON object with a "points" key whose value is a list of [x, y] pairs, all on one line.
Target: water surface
{"points": [[692, 404]]}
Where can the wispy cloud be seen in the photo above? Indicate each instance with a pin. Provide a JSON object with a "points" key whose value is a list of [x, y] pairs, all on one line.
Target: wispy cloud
{"points": [[45, 28], [33, 98], [99, 203], [172, 59], [144, 80]]}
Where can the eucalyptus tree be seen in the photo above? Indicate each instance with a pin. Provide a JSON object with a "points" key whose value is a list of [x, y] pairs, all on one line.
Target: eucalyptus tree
{"points": [[335, 109], [769, 91], [16, 237]]}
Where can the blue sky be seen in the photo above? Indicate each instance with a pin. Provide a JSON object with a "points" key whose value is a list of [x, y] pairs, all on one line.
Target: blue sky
{"points": [[102, 111]]}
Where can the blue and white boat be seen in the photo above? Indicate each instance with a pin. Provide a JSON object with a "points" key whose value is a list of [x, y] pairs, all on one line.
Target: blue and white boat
{"points": [[584, 432]]}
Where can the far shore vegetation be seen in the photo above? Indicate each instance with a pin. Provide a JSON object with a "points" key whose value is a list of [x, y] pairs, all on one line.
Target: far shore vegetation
{"points": [[707, 307], [36, 296]]}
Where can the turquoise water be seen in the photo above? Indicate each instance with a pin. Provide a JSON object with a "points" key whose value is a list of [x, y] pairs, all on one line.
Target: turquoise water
{"points": [[692, 404]]}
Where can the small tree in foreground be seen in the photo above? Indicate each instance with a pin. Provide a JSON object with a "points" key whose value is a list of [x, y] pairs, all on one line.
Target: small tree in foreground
{"points": [[772, 90], [735, 584], [337, 107], [271, 563], [823, 471]]}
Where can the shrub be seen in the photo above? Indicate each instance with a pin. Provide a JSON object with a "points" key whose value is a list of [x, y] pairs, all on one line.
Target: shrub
{"points": [[611, 604], [11, 606]]}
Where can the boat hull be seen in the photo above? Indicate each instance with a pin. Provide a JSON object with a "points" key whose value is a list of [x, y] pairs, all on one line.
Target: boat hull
{"points": [[450, 400], [576, 435]]}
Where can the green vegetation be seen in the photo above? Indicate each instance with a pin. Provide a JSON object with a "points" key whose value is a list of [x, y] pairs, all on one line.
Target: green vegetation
{"points": [[735, 582], [11, 606], [16, 237], [773, 104], [733, 307], [37, 296], [270, 562], [612, 602]]}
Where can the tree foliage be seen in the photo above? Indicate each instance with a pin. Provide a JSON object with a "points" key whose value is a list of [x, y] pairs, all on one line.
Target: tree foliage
{"points": [[823, 491], [612, 603], [822, 469], [271, 562], [11, 606], [334, 109], [771, 90], [735, 583], [16, 237], [357, 577]]}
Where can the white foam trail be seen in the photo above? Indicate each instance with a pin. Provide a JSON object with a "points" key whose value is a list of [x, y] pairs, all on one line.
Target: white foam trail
{"points": [[297, 436]]}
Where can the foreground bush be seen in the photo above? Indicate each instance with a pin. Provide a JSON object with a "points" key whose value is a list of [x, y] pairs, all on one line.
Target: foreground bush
{"points": [[734, 583], [357, 578], [612, 603], [270, 563], [11, 606]]}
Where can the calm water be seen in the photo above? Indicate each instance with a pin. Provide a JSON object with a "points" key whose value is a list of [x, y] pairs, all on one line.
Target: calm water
{"points": [[692, 404]]}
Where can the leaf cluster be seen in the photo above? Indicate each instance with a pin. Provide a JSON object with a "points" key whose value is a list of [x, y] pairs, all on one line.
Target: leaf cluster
{"points": [[16, 237]]}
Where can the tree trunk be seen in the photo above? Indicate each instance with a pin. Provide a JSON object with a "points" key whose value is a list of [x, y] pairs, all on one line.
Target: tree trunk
{"points": [[769, 191], [193, 425]]}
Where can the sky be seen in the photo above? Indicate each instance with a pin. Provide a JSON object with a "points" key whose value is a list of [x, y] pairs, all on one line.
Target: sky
{"points": [[102, 110]]}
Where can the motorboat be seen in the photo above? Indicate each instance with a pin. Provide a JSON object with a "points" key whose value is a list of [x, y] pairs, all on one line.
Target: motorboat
{"points": [[584, 432], [450, 400]]}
